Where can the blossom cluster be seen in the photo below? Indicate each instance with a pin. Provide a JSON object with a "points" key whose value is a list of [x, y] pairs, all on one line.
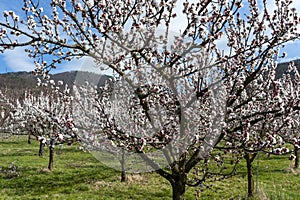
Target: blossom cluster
{"points": [[45, 116]]}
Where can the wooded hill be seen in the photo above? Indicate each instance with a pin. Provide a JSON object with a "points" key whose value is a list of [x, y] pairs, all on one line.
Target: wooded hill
{"points": [[15, 83]]}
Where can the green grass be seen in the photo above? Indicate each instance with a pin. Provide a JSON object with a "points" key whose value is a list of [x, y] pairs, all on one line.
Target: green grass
{"points": [[78, 175]]}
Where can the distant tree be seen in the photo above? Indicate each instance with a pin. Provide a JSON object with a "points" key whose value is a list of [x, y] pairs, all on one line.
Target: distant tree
{"points": [[6, 106], [292, 136], [85, 111], [48, 118], [257, 120], [289, 88], [172, 90]]}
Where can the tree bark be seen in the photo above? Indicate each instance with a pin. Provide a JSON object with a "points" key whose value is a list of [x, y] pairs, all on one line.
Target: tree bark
{"points": [[123, 173], [123, 176], [51, 157], [250, 178], [28, 139], [178, 183], [297, 154], [41, 150], [178, 190]]}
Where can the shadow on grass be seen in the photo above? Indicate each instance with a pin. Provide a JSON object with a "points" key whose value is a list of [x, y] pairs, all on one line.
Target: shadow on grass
{"points": [[55, 182]]}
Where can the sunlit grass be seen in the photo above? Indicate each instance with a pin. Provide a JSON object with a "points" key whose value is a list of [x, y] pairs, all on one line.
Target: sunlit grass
{"points": [[78, 175]]}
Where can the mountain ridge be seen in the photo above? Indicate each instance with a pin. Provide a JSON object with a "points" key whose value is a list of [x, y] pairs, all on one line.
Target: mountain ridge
{"points": [[15, 83]]}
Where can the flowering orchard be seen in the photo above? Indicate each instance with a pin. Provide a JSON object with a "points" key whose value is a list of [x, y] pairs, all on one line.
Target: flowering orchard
{"points": [[47, 117], [86, 111], [289, 90], [5, 109], [260, 119], [176, 95]]}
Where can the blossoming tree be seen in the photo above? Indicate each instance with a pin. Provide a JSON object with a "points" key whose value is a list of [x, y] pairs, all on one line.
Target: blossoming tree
{"points": [[173, 89], [6, 106], [85, 111], [257, 120], [47, 117], [289, 88]]}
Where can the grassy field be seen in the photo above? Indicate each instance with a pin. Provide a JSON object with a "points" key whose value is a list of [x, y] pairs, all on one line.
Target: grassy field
{"points": [[78, 175]]}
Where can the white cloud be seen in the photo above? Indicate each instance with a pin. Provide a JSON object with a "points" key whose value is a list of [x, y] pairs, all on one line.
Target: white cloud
{"points": [[69, 66], [271, 5], [82, 64], [18, 60], [296, 4], [179, 23]]}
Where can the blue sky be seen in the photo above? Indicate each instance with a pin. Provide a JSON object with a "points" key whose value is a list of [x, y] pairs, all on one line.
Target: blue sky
{"points": [[17, 60]]}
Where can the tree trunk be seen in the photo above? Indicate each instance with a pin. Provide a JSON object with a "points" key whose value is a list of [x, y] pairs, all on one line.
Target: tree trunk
{"points": [[28, 139], [123, 173], [178, 186], [178, 190], [123, 176], [41, 150], [250, 179], [297, 154], [51, 157]]}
